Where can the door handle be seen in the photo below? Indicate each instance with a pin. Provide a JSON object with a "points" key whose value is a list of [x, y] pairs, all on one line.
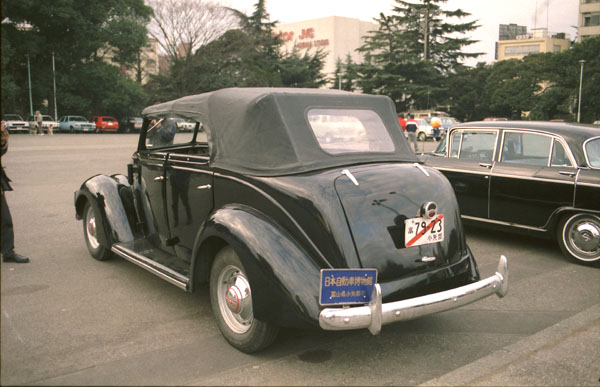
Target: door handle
{"points": [[485, 165], [159, 178], [568, 173], [206, 186]]}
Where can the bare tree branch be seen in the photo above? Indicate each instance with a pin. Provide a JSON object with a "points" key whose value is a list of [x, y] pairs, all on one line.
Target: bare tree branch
{"points": [[181, 26]]}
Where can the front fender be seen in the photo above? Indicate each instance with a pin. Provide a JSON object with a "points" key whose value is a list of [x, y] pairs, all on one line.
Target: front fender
{"points": [[102, 192], [284, 278]]}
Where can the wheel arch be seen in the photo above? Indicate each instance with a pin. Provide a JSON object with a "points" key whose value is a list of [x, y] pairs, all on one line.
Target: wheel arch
{"points": [[283, 276], [103, 194]]}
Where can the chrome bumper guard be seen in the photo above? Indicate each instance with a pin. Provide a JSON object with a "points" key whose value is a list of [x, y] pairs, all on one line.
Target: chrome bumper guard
{"points": [[376, 314]]}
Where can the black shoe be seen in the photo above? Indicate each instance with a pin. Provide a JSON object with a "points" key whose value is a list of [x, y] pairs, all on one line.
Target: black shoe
{"points": [[14, 257]]}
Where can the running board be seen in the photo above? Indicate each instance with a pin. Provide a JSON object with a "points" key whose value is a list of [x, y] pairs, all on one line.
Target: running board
{"points": [[162, 271]]}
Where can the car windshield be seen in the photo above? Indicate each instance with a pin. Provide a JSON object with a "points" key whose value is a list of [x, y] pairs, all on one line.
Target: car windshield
{"points": [[13, 117], [592, 152], [78, 118], [47, 118], [349, 130]]}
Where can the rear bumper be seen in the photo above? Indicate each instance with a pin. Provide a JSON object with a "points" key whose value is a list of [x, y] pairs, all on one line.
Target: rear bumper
{"points": [[376, 314]]}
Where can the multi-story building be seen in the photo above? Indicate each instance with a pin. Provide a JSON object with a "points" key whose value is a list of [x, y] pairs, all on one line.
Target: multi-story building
{"points": [[337, 36], [539, 40], [589, 19]]}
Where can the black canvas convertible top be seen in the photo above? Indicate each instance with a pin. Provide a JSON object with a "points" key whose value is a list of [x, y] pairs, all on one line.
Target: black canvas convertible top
{"points": [[265, 131]]}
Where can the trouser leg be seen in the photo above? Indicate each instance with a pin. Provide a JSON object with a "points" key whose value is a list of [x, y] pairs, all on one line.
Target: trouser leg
{"points": [[8, 236]]}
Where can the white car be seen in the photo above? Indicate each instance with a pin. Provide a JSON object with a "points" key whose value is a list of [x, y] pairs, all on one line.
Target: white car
{"points": [[424, 131], [47, 122], [14, 123]]}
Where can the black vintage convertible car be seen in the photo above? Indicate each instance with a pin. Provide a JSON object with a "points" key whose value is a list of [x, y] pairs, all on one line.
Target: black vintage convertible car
{"points": [[542, 178], [300, 207]]}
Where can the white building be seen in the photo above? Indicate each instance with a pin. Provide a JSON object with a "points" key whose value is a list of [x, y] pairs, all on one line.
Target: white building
{"points": [[337, 36]]}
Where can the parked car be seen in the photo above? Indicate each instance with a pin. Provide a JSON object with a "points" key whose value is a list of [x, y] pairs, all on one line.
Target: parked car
{"points": [[447, 123], [537, 177], [106, 124], [287, 228], [131, 124], [424, 131], [47, 122], [75, 124], [15, 123]]}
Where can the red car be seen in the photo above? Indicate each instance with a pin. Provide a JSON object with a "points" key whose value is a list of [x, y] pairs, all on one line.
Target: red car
{"points": [[105, 123]]}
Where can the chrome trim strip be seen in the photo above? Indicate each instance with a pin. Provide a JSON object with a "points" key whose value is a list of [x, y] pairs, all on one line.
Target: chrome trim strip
{"points": [[587, 160], [153, 267], [422, 169], [534, 178], [350, 176], [376, 314], [502, 223]]}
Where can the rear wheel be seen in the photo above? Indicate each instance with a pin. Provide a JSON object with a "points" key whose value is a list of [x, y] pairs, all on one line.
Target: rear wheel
{"points": [[90, 234], [231, 299], [579, 238], [422, 136]]}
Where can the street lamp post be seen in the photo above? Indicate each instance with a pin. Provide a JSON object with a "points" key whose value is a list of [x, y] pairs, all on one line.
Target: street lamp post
{"points": [[29, 77], [580, 84], [54, 84]]}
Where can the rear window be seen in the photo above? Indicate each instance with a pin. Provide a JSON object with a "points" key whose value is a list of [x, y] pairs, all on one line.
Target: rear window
{"points": [[341, 131]]}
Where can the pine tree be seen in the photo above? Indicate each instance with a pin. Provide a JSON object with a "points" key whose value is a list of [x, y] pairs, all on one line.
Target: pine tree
{"points": [[413, 50]]}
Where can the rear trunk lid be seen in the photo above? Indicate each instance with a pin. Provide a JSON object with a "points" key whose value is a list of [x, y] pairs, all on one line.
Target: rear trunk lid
{"points": [[377, 199]]}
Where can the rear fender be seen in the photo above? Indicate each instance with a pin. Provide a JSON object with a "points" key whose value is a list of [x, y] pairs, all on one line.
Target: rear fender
{"points": [[102, 192], [284, 279]]}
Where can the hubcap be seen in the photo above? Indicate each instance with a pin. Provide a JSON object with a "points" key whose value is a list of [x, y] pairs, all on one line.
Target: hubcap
{"points": [[235, 299], [585, 237], [90, 228]]}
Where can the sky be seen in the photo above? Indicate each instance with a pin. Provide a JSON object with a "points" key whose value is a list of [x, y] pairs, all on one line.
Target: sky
{"points": [[556, 15]]}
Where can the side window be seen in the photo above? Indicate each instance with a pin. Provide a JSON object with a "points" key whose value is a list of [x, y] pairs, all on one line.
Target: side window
{"points": [[559, 155], [526, 148], [478, 146], [167, 132], [455, 144]]}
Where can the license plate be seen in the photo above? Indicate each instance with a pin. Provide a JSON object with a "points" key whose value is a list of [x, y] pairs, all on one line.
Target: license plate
{"points": [[347, 286], [421, 231]]}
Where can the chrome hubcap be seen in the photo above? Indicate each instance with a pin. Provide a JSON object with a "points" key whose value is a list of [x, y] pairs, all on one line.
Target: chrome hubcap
{"points": [[235, 299], [585, 237], [90, 228]]}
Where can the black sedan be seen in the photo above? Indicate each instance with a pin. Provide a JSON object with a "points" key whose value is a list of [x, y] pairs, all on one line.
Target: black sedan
{"points": [[538, 177], [290, 227]]}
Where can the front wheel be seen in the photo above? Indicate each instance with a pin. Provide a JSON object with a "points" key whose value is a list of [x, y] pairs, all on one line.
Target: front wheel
{"points": [[90, 234], [231, 300], [579, 238], [421, 136]]}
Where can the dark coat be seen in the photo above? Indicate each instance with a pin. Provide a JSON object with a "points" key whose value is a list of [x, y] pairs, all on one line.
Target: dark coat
{"points": [[5, 180]]}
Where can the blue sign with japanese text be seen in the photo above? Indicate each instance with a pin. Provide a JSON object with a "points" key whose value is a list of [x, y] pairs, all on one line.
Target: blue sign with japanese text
{"points": [[347, 286]]}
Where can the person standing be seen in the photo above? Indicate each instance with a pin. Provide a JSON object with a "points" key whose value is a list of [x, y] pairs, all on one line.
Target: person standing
{"points": [[8, 235], [411, 130], [402, 122], [39, 120]]}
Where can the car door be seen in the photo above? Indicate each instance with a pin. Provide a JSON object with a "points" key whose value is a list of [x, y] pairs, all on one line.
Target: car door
{"points": [[189, 199], [534, 176], [153, 189], [467, 166]]}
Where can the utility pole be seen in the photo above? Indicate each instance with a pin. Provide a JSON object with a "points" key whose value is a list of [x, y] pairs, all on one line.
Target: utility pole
{"points": [[426, 33]]}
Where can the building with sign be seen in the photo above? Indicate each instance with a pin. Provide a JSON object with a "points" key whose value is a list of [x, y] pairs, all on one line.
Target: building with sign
{"points": [[539, 40], [337, 36]]}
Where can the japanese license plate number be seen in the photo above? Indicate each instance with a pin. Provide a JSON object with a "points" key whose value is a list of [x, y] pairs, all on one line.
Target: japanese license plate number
{"points": [[422, 231]]}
